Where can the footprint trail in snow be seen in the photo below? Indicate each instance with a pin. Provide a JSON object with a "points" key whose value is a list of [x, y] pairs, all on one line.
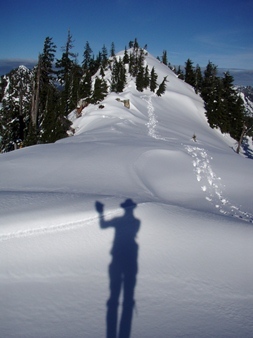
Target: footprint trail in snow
{"points": [[152, 121], [210, 183]]}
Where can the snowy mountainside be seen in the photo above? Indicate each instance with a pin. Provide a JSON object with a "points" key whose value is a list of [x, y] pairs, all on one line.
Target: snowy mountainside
{"points": [[193, 201], [247, 96]]}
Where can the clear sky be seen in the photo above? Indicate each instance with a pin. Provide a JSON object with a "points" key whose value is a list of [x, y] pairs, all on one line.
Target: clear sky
{"points": [[202, 30]]}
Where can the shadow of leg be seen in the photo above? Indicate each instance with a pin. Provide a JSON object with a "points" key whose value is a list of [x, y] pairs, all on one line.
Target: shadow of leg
{"points": [[126, 319], [113, 302], [128, 302]]}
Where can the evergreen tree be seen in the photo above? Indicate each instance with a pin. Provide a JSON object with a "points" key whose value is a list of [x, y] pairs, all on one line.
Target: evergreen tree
{"points": [[112, 51], [190, 73], [126, 57], [104, 56], [140, 79], [45, 74], [161, 89], [131, 44], [153, 80], [164, 58], [146, 79], [198, 79], [65, 66], [100, 90], [87, 57], [135, 44], [232, 109], [210, 92], [85, 89], [55, 124], [75, 84], [118, 80]]}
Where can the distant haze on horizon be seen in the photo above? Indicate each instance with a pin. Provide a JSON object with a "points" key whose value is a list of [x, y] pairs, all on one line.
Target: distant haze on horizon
{"points": [[241, 77]]}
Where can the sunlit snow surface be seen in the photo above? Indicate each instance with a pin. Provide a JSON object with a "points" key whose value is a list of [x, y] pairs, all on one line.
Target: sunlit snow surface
{"points": [[195, 206]]}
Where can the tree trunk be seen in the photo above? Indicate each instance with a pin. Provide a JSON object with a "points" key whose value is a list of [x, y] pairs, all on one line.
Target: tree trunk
{"points": [[244, 129], [35, 97]]}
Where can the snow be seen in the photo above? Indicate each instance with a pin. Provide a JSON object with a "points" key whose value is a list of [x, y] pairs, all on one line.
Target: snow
{"points": [[194, 203]]}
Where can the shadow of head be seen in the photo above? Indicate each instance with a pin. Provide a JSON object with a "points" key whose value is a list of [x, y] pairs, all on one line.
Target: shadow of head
{"points": [[129, 203]]}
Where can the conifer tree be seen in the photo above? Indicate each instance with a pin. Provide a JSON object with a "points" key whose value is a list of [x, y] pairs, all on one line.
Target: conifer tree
{"points": [[85, 89], [118, 80], [100, 90], [210, 92], [198, 79], [46, 75], [140, 79], [164, 58], [162, 87], [126, 57], [189, 73], [87, 57], [232, 108], [153, 80], [112, 51], [104, 57], [146, 79], [65, 66]]}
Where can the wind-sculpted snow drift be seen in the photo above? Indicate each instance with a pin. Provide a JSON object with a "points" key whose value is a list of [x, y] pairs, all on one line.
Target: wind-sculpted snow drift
{"points": [[193, 201]]}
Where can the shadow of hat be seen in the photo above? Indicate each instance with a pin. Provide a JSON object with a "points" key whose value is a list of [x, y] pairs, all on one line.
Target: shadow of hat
{"points": [[129, 203]]}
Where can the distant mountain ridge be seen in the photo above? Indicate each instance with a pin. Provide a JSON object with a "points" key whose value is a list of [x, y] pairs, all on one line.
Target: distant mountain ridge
{"points": [[242, 77]]}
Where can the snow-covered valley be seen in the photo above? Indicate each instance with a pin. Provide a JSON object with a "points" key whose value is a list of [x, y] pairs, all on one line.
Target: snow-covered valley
{"points": [[194, 205]]}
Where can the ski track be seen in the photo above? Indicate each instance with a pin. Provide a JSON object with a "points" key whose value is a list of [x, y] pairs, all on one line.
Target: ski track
{"points": [[56, 228], [44, 230], [210, 183]]}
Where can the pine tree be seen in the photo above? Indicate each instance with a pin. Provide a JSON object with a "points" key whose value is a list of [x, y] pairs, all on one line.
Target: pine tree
{"points": [[85, 88], [100, 90], [161, 89], [54, 125], [210, 92], [65, 66], [112, 51], [190, 73], [126, 57], [164, 58], [232, 108], [146, 79], [87, 57], [118, 80], [198, 79], [104, 57], [153, 80], [45, 74], [140, 79]]}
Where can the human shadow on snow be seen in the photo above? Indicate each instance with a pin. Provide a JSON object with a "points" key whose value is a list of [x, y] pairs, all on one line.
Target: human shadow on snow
{"points": [[123, 268]]}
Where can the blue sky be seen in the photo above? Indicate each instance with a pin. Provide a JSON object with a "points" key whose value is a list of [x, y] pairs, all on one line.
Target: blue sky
{"points": [[219, 31]]}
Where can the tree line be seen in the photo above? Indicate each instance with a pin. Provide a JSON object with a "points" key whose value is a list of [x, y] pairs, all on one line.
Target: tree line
{"points": [[36, 103]]}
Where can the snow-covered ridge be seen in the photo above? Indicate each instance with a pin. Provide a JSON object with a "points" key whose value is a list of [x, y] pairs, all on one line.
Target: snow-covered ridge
{"points": [[193, 201]]}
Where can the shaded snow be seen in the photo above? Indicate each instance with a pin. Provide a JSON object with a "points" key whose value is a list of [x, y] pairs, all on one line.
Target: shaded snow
{"points": [[194, 202]]}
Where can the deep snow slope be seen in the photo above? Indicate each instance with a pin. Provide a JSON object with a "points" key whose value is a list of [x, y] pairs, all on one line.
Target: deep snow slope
{"points": [[194, 203]]}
